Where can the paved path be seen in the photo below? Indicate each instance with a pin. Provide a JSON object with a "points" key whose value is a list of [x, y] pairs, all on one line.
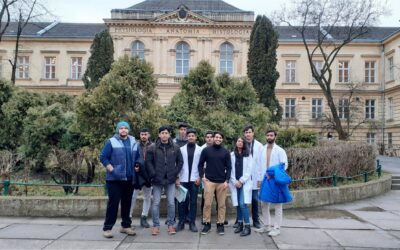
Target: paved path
{"points": [[368, 224]]}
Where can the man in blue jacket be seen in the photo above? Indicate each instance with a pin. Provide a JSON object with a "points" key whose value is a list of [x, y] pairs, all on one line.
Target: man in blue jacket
{"points": [[119, 156]]}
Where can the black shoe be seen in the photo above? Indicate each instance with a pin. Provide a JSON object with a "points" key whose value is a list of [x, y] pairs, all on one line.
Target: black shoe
{"points": [[246, 231], [239, 228], [192, 227], [143, 222], [226, 222], [220, 229], [236, 224], [257, 224], [181, 226], [206, 228]]}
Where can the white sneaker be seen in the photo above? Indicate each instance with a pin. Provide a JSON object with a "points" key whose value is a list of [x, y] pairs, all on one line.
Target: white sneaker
{"points": [[264, 229], [107, 234], [274, 232]]}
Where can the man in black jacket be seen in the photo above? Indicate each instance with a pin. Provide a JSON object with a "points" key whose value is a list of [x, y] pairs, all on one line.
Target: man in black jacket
{"points": [[215, 178], [163, 163]]}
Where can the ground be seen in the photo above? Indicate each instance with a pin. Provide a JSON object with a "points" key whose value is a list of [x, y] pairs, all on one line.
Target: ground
{"points": [[366, 224]]}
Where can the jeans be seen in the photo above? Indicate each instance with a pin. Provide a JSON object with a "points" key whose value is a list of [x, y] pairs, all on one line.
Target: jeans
{"points": [[188, 208], [254, 205], [242, 209], [146, 200], [118, 191], [155, 209]]}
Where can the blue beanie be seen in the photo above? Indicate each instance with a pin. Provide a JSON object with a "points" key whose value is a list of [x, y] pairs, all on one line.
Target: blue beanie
{"points": [[122, 124]]}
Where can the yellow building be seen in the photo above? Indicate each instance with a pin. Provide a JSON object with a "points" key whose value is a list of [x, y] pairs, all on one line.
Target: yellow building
{"points": [[175, 35]]}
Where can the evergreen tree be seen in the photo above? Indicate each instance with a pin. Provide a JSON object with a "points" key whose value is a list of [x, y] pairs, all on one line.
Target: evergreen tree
{"points": [[100, 60], [261, 64], [209, 102], [127, 92]]}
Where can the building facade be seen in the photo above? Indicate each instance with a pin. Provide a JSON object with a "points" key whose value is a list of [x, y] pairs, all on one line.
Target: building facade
{"points": [[176, 35]]}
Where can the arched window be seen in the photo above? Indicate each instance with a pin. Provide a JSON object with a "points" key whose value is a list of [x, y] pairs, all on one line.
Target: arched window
{"points": [[182, 58], [226, 58], [138, 49]]}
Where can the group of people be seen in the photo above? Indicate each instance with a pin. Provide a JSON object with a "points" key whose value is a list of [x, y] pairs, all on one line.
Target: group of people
{"points": [[168, 163]]}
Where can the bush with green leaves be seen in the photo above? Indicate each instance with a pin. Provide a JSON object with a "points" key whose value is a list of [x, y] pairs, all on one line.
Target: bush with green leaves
{"points": [[127, 92], [222, 103], [296, 137]]}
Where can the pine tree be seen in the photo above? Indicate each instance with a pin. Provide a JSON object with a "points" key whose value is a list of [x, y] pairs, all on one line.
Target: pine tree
{"points": [[261, 64], [100, 60]]}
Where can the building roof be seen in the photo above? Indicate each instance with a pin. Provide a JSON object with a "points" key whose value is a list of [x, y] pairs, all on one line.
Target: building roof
{"points": [[193, 5], [56, 30], [89, 30]]}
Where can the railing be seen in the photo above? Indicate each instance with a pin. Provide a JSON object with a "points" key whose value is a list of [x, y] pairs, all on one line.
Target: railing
{"points": [[334, 178]]}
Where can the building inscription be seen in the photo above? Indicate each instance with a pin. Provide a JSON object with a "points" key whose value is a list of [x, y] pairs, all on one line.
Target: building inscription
{"points": [[185, 31]]}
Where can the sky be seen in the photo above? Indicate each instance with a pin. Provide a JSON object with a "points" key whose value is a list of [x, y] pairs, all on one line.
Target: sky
{"points": [[93, 11]]}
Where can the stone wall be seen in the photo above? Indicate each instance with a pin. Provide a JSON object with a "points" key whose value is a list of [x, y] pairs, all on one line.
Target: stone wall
{"points": [[95, 206]]}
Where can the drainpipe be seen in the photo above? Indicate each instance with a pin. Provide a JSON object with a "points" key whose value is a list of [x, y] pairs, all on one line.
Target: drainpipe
{"points": [[383, 80]]}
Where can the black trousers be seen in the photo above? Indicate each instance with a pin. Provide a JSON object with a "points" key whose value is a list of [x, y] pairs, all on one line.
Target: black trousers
{"points": [[118, 191]]}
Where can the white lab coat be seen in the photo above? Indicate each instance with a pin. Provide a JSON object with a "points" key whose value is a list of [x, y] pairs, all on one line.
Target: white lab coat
{"points": [[245, 179], [183, 175], [257, 169], [278, 155]]}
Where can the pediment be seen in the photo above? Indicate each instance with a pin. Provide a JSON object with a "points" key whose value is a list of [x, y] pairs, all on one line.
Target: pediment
{"points": [[182, 15]]}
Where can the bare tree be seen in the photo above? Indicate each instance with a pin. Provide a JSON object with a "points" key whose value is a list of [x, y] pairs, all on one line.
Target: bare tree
{"points": [[350, 111], [326, 26], [23, 12], [8, 160], [5, 16]]}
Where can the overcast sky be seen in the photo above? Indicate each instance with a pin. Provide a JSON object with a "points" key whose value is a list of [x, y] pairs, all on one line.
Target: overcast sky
{"points": [[93, 11]]}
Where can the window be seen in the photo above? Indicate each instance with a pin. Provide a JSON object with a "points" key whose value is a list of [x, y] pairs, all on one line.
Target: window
{"points": [[343, 108], [76, 68], [370, 72], [390, 108], [390, 140], [316, 109], [182, 58], [138, 49], [344, 71], [50, 67], [318, 67], [370, 138], [226, 58], [391, 68], [23, 67], [290, 108], [369, 109], [291, 71]]}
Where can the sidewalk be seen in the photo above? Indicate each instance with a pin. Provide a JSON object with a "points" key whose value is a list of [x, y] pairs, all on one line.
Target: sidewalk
{"points": [[367, 224]]}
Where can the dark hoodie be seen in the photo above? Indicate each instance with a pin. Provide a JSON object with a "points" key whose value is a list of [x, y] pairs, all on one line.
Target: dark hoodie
{"points": [[163, 162]]}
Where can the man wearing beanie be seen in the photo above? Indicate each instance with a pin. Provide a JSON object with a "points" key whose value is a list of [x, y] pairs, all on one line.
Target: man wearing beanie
{"points": [[190, 179], [120, 155], [163, 165], [216, 178]]}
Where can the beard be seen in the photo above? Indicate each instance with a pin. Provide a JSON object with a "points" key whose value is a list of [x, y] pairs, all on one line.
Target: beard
{"points": [[271, 141]]}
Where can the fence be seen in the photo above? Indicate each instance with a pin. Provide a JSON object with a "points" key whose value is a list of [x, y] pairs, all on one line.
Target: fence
{"points": [[334, 179]]}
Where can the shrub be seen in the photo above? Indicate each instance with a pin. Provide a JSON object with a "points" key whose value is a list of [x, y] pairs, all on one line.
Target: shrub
{"points": [[296, 137], [340, 158]]}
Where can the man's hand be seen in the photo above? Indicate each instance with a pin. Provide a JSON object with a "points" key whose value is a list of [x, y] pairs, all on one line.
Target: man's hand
{"points": [[268, 177], [258, 184], [225, 185], [204, 180], [137, 168], [109, 168], [177, 182], [197, 182], [238, 184]]}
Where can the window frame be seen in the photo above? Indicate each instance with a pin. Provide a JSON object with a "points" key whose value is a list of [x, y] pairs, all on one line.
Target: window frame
{"points": [[290, 71], [316, 108], [343, 68], [225, 53], [290, 108], [370, 72], [25, 66], [76, 70], [344, 108], [50, 68], [184, 56], [370, 109], [137, 51]]}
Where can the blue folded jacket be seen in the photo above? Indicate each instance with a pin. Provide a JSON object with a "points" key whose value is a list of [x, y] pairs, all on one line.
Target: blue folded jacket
{"points": [[276, 189]]}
